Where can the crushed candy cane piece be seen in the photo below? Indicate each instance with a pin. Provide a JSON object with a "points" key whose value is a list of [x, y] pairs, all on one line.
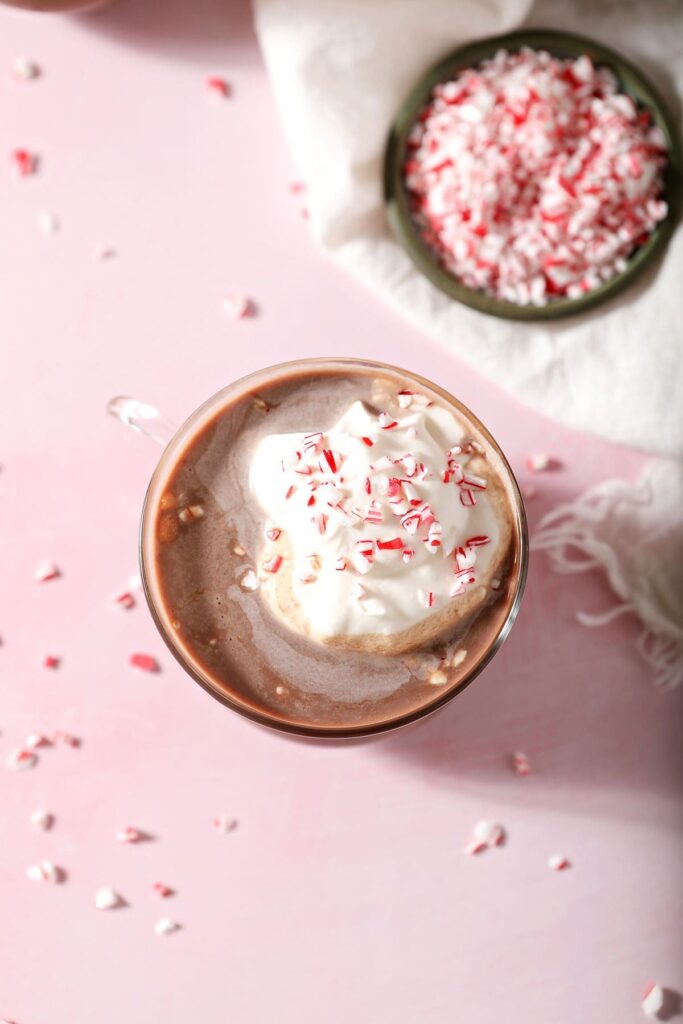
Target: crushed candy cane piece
{"points": [[24, 163], [50, 661], [237, 306], [48, 222], [103, 251], [45, 571], [42, 819], [541, 463], [20, 760], [23, 69], [217, 86], [163, 890], [249, 580], [66, 739], [129, 835], [166, 926], [558, 862], [224, 824], [520, 763], [124, 599], [34, 740], [652, 1001], [438, 677], [533, 178], [108, 899], [475, 846], [272, 564], [46, 871], [490, 833], [146, 662]]}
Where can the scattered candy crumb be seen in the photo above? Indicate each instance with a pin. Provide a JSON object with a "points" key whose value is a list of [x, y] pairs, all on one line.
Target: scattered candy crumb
{"points": [[541, 463], [48, 222], [46, 871], [520, 763], [45, 571], [217, 87], [103, 252], [249, 580], [162, 890], [42, 819], [166, 926], [129, 835], [558, 863], [653, 1000], [50, 661], [124, 599], [23, 69], [222, 823], [35, 740], [146, 662], [20, 760], [485, 835], [24, 163], [237, 306], [66, 739], [107, 899]]}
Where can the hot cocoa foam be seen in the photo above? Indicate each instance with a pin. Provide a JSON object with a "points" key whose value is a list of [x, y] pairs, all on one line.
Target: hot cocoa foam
{"points": [[243, 629]]}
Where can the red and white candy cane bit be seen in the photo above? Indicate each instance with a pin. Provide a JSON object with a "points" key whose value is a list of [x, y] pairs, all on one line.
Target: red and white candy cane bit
{"points": [[24, 162], [409, 465], [368, 441], [124, 599], [395, 544], [23, 69], [478, 541], [237, 306], [289, 492], [66, 739], [224, 824], [45, 571], [42, 819], [433, 538], [341, 565], [475, 846], [312, 442], [652, 1000], [163, 890], [20, 760], [473, 482], [311, 501], [330, 461], [407, 554], [386, 422], [145, 662], [405, 398], [128, 834], [272, 564], [467, 498], [411, 522], [426, 598], [46, 871], [489, 832], [541, 463], [374, 513], [217, 86], [36, 741], [50, 661], [320, 521], [464, 557], [558, 863], [520, 763], [273, 533]]}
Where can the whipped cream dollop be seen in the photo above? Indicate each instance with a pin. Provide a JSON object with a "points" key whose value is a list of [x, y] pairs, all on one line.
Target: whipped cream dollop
{"points": [[383, 522]]}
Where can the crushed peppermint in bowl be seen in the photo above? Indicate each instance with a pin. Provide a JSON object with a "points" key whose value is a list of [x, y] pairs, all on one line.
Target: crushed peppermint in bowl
{"points": [[533, 175]]}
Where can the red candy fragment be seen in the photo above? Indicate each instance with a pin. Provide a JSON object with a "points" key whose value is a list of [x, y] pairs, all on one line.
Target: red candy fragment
{"points": [[146, 662], [50, 661], [124, 599], [273, 564], [217, 86], [24, 162], [163, 890], [45, 571]]}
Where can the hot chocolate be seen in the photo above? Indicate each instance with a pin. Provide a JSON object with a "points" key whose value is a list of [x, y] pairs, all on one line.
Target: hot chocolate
{"points": [[334, 547]]}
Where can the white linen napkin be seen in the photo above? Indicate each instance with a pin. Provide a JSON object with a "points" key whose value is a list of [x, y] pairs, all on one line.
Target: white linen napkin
{"points": [[340, 70]]}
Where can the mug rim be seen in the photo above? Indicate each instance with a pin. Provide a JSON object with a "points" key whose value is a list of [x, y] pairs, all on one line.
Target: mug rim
{"points": [[181, 440]]}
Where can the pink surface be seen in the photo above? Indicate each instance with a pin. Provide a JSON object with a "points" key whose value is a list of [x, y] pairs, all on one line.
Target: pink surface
{"points": [[344, 894]]}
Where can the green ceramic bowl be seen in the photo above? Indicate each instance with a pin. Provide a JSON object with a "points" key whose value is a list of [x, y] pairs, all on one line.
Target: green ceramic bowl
{"points": [[560, 44]]}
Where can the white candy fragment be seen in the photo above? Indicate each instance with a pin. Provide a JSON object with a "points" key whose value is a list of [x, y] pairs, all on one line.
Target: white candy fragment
{"points": [[107, 899], [222, 823], [42, 819], [653, 1000], [166, 926]]}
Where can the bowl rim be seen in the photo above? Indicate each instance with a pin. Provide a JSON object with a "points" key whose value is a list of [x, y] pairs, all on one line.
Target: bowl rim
{"points": [[169, 457], [561, 44]]}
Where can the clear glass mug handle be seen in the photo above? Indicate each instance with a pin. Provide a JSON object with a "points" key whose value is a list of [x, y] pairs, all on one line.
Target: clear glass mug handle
{"points": [[143, 418]]}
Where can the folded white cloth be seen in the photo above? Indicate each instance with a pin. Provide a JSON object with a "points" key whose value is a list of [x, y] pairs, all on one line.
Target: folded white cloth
{"points": [[340, 69]]}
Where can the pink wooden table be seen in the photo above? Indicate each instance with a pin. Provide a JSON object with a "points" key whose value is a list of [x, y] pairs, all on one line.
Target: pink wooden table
{"points": [[344, 895]]}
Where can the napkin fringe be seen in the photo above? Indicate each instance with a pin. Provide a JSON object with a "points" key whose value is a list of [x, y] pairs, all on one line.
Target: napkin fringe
{"points": [[569, 536]]}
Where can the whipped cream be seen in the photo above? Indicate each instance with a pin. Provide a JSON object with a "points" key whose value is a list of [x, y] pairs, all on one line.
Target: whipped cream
{"points": [[383, 522]]}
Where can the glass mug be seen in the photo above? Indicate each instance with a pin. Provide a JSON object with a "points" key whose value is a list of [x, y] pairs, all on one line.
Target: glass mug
{"points": [[145, 419]]}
